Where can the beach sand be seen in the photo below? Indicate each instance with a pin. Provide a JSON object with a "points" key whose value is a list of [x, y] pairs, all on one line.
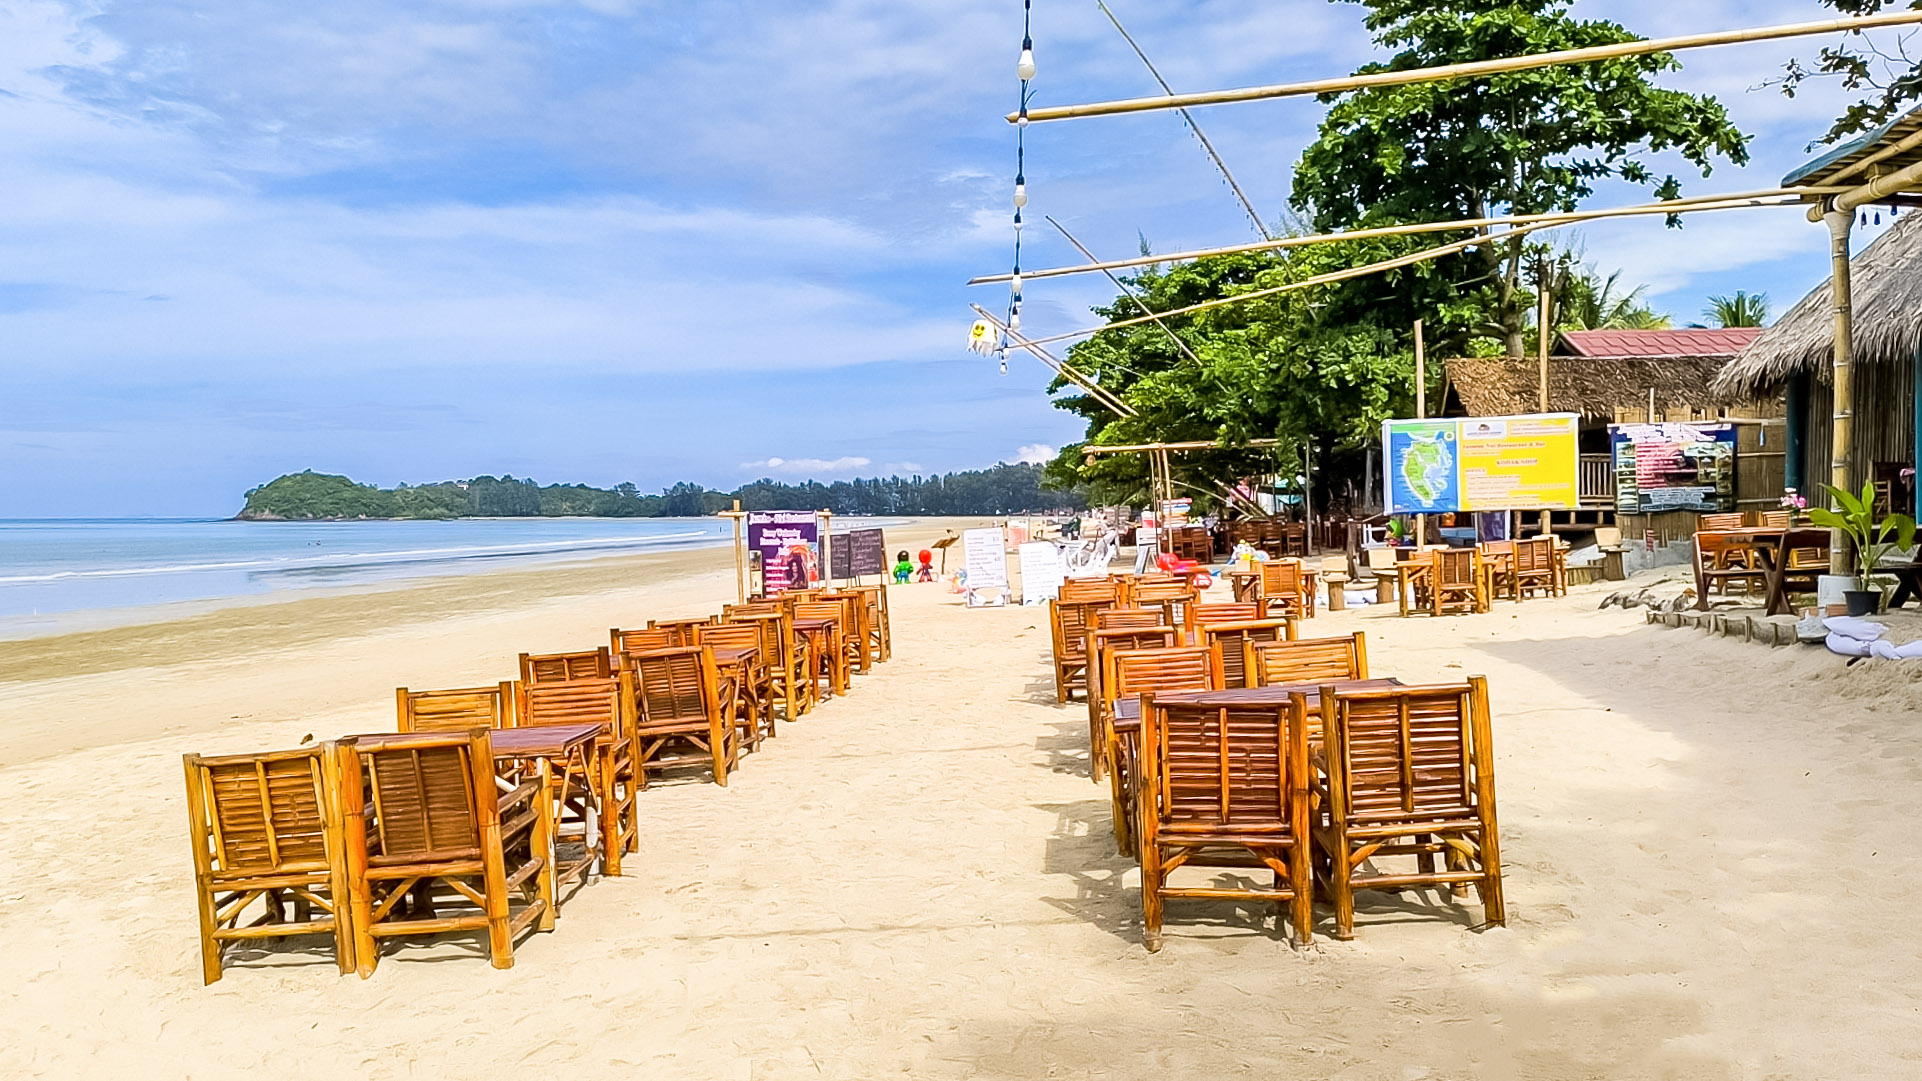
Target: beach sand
{"points": [[1708, 849]]}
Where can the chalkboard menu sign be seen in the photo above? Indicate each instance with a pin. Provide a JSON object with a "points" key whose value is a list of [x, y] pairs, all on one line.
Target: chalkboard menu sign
{"points": [[861, 552], [839, 559]]}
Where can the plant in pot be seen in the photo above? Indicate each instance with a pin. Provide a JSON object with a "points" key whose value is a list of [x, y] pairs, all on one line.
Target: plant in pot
{"points": [[1872, 539]]}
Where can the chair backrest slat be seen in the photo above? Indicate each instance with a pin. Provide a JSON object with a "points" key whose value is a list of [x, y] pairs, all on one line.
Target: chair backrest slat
{"points": [[674, 684], [1408, 753], [264, 812], [563, 667], [456, 710], [1224, 766], [1306, 660], [1237, 641]]}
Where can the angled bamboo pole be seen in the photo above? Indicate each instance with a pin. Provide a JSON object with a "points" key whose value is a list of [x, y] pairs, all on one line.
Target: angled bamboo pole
{"points": [[1127, 291], [1187, 118], [1474, 69], [1760, 197], [1387, 264], [1059, 367]]}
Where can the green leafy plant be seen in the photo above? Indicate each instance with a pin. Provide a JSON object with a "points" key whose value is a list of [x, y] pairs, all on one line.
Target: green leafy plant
{"points": [[1871, 538]]}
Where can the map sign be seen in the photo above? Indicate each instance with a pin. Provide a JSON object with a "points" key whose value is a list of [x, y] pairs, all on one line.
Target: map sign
{"points": [[1481, 463]]}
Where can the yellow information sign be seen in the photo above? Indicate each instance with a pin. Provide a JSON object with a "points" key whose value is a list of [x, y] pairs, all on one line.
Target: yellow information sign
{"points": [[1524, 462]]}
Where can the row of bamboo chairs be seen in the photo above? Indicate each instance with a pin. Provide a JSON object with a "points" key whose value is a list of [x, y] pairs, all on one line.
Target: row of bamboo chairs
{"points": [[425, 831], [1282, 592], [1308, 789], [1444, 580]]}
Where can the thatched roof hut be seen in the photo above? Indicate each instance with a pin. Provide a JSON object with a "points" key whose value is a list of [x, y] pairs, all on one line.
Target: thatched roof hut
{"points": [[1599, 388], [1887, 291]]}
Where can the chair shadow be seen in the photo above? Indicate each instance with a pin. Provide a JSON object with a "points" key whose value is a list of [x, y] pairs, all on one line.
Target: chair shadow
{"points": [[1040, 692], [1066, 747]]}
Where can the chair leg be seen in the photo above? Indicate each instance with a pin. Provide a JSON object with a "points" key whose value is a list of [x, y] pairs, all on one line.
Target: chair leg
{"points": [[209, 945], [1151, 881], [611, 818], [1494, 907], [1341, 892]]}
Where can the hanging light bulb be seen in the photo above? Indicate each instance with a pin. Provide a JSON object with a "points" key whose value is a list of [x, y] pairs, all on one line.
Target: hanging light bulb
{"points": [[1004, 362], [1016, 283], [1020, 192], [1878, 217], [1017, 221], [1865, 218], [1024, 67]]}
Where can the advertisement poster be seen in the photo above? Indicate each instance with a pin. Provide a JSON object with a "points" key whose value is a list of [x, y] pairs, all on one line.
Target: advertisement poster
{"points": [[986, 562], [1664, 467], [1481, 463], [1041, 572], [788, 543]]}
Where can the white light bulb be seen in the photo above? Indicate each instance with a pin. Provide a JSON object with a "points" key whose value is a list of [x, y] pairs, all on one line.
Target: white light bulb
{"points": [[1020, 195], [1014, 319], [1016, 283], [1024, 67], [1021, 121]]}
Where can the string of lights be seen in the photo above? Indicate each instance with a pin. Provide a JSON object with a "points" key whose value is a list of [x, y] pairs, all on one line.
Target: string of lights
{"points": [[1024, 69]]}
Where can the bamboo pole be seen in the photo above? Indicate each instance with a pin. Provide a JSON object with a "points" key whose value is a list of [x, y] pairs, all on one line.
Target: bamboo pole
{"points": [[1666, 206], [1473, 69], [1060, 368], [1876, 190], [1355, 272], [1840, 219], [1260, 228], [1127, 291], [740, 553], [1196, 444], [1541, 400], [1907, 142], [1421, 413]]}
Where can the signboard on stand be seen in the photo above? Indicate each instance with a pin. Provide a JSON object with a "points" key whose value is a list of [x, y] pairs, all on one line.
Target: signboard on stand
{"points": [[1664, 467], [1523, 462], [1041, 572], [986, 563], [857, 553], [787, 542]]}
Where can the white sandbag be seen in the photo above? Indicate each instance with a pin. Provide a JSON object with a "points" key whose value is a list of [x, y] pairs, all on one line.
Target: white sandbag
{"points": [[1855, 627], [1847, 647], [1889, 651]]}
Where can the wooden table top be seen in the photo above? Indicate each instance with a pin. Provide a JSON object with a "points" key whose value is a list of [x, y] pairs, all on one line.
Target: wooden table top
{"points": [[1128, 710], [531, 741], [813, 624], [726, 655]]}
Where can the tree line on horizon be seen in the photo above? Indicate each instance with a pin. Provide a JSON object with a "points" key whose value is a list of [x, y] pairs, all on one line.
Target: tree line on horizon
{"points": [[1001, 489]]}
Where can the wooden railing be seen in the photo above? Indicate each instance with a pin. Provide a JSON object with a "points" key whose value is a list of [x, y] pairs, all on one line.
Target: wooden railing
{"points": [[1595, 480]]}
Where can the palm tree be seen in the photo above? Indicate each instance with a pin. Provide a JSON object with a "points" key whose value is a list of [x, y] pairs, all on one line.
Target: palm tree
{"points": [[1744, 309], [1590, 302]]}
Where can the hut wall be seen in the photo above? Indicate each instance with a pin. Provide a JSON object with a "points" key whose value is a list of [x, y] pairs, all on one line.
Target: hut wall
{"points": [[1884, 422]]}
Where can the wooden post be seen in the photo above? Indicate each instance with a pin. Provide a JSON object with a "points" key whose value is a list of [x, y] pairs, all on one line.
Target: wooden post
{"points": [[740, 553], [1421, 413], [1548, 288], [826, 518], [1840, 220]]}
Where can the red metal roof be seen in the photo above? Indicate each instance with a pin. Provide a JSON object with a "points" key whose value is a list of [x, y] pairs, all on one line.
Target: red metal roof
{"points": [[1700, 342]]}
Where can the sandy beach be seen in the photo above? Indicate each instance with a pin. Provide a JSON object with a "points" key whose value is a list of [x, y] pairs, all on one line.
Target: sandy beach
{"points": [[1707, 854]]}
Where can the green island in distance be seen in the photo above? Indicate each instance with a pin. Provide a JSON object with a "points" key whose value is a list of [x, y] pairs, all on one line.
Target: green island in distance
{"points": [[309, 496]]}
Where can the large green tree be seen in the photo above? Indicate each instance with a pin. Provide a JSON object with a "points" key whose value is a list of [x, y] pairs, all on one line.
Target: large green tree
{"points": [[1892, 77], [1517, 143]]}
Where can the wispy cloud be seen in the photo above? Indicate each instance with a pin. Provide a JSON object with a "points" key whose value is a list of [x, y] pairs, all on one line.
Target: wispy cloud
{"points": [[1035, 453], [808, 466]]}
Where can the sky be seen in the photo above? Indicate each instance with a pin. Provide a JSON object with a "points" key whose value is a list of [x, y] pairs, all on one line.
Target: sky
{"points": [[629, 240]]}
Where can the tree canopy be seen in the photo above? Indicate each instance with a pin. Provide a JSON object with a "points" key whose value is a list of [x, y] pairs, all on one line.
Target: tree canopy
{"points": [[1894, 80]]}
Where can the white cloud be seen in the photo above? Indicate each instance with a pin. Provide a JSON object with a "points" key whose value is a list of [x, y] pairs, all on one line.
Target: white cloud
{"points": [[1035, 453], [808, 466]]}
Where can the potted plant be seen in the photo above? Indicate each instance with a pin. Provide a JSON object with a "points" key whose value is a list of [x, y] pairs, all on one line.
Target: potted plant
{"points": [[1796, 504], [1871, 538]]}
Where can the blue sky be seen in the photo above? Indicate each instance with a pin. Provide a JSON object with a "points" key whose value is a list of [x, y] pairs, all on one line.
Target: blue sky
{"points": [[615, 240]]}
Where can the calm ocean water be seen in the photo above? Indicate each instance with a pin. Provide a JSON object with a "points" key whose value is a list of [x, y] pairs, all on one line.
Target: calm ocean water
{"points": [[54, 567]]}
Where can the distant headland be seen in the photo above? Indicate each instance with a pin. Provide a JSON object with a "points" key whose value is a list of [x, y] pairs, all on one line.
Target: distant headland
{"points": [[309, 496]]}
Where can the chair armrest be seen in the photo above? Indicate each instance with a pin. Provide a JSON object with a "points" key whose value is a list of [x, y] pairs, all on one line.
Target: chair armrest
{"points": [[522, 793]]}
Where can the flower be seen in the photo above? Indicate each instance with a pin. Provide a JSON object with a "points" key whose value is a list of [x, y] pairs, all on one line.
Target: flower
{"points": [[1791, 500]]}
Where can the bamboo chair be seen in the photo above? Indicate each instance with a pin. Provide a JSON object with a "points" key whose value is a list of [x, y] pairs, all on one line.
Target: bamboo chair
{"points": [[1722, 561], [1773, 519], [1225, 786], [609, 702], [1068, 624], [756, 688], [439, 834], [1237, 642], [1534, 567], [456, 711], [563, 667], [860, 636], [1227, 612], [1283, 589], [1100, 591], [1128, 619], [267, 827], [787, 658], [881, 632], [1310, 660], [1498, 569], [1173, 596], [1456, 583], [682, 704], [836, 656], [680, 632], [639, 641], [1102, 645], [1133, 673], [1407, 771], [1720, 523]]}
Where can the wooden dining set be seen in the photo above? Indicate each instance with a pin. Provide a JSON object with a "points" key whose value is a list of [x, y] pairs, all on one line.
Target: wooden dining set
{"points": [[486, 807], [1439, 581], [1274, 766], [1761, 554]]}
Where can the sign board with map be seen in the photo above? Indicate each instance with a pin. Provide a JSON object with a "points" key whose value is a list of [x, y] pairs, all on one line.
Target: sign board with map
{"points": [[1480, 463]]}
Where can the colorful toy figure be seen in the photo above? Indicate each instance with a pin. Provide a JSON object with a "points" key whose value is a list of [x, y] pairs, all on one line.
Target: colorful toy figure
{"points": [[903, 570], [927, 567]]}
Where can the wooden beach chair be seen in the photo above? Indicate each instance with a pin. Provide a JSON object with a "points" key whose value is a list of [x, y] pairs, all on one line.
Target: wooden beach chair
{"points": [[1534, 567], [441, 848], [562, 667], [880, 631], [1310, 660], [1225, 787], [1456, 583], [756, 678], [1720, 523], [680, 632], [1237, 642], [1102, 646], [860, 636], [1407, 772], [1227, 612], [685, 715], [1132, 674], [267, 828], [1097, 591], [609, 702], [456, 710], [835, 659], [1069, 623], [786, 657], [621, 643], [1722, 560], [1174, 596], [1283, 590]]}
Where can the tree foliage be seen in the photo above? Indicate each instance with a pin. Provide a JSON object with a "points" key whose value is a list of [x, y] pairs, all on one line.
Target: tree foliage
{"points": [[1001, 489], [1517, 143], [1894, 79], [1744, 309]]}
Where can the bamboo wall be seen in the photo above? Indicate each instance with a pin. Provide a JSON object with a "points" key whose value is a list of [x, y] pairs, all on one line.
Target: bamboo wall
{"points": [[1884, 422]]}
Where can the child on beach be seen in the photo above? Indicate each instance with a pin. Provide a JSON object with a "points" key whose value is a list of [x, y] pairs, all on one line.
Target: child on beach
{"points": [[903, 570]]}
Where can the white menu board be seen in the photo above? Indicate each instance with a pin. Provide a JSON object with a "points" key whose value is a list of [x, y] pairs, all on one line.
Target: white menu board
{"points": [[1041, 572], [986, 562]]}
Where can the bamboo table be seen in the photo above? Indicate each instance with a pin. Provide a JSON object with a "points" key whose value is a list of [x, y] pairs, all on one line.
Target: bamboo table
{"points": [[1774, 550], [820, 635], [1247, 586]]}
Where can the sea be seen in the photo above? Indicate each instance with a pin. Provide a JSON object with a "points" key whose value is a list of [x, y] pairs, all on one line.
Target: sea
{"points": [[53, 570]]}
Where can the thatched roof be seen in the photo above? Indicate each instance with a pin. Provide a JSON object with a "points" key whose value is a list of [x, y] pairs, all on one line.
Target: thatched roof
{"points": [[1593, 387], [1886, 288]]}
